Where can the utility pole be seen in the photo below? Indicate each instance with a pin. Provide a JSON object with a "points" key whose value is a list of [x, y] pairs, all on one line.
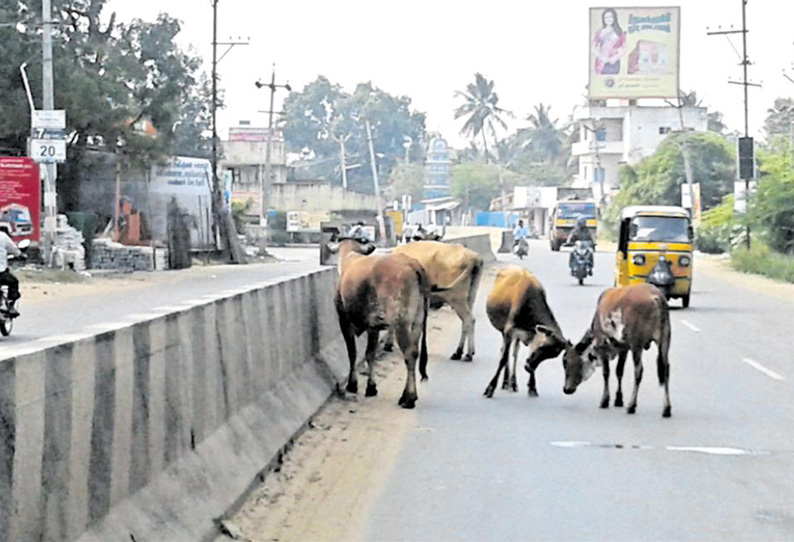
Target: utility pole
{"points": [[745, 173], [685, 153], [264, 184], [342, 159], [381, 225], [223, 224], [50, 169]]}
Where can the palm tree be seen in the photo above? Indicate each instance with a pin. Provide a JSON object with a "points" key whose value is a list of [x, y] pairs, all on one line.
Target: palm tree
{"points": [[481, 109], [545, 139]]}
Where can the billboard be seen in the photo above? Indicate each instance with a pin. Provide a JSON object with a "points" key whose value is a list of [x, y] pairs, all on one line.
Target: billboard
{"points": [[20, 197], [634, 52]]}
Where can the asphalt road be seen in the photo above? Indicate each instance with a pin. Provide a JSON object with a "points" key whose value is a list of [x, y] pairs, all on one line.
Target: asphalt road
{"points": [[57, 316], [557, 467]]}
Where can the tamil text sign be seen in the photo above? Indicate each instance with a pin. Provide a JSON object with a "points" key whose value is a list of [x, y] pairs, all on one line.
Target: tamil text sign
{"points": [[634, 52], [20, 197]]}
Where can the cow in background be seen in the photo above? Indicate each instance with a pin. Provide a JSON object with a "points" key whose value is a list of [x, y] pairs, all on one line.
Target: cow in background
{"points": [[517, 307], [457, 271], [376, 293], [626, 319]]}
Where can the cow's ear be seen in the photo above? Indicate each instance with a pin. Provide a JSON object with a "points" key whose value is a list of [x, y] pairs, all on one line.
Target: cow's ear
{"points": [[333, 247]]}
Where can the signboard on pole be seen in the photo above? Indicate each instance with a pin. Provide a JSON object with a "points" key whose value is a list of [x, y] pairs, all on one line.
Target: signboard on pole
{"points": [[20, 197], [686, 201], [53, 119], [47, 151], [634, 52]]}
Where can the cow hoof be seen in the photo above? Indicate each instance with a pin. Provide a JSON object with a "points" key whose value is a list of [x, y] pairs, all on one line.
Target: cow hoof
{"points": [[488, 392], [352, 387], [533, 392], [666, 413], [468, 357], [618, 400], [505, 385], [456, 356], [631, 410], [409, 403], [514, 387], [604, 404], [372, 390]]}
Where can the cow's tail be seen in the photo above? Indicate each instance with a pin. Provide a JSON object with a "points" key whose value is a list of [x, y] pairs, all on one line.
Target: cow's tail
{"points": [[663, 360], [423, 351]]}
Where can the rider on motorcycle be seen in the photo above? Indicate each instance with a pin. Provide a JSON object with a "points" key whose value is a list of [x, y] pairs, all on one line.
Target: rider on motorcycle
{"points": [[581, 233], [7, 278], [520, 233]]}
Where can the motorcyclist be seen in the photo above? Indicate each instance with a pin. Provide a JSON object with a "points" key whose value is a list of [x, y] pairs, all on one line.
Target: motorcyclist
{"points": [[520, 233], [7, 278], [581, 233]]}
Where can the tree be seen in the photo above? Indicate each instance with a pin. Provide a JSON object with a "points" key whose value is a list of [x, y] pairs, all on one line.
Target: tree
{"points": [[544, 140], [481, 110], [322, 113], [779, 119], [477, 183], [657, 179], [771, 207], [407, 180]]}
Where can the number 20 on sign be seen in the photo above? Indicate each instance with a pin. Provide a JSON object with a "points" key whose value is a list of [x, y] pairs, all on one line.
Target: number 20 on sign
{"points": [[48, 150]]}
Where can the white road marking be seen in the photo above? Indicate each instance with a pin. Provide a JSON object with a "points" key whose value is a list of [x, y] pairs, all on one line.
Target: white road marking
{"points": [[691, 326], [758, 367], [714, 450], [708, 450]]}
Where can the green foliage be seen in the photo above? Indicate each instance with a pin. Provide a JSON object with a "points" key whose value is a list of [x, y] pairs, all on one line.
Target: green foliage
{"points": [[716, 228], [239, 213], [477, 183], [407, 180], [777, 124], [321, 114], [658, 179], [481, 111], [763, 261], [772, 207]]}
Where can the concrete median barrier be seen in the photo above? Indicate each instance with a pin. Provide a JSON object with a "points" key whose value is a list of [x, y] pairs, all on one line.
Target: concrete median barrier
{"points": [[148, 430], [481, 244]]}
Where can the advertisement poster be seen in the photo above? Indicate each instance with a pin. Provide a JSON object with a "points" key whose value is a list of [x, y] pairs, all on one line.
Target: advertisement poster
{"points": [[634, 52], [20, 197]]}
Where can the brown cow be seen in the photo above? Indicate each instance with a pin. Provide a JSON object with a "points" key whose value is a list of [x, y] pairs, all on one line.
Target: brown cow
{"points": [[379, 292], [457, 270], [628, 318], [517, 307]]}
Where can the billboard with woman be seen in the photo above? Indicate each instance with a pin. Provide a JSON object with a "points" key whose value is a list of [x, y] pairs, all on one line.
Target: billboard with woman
{"points": [[634, 52]]}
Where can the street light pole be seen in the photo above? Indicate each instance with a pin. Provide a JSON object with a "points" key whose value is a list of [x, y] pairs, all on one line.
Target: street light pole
{"points": [[381, 225], [48, 101]]}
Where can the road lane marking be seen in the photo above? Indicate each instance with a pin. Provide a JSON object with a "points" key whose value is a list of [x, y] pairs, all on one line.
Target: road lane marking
{"points": [[691, 326], [758, 367], [707, 450]]}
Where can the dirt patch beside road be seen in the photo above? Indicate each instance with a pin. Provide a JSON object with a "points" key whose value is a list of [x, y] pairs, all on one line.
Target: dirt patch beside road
{"points": [[720, 267], [336, 468]]}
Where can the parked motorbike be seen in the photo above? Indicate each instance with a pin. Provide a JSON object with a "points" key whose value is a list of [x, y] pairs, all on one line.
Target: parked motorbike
{"points": [[521, 249], [6, 318], [661, 275], [581, 258]]}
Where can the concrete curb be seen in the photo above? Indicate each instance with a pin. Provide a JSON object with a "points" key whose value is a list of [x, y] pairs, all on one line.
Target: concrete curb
{"points": [[481, 244], [150, 430]]}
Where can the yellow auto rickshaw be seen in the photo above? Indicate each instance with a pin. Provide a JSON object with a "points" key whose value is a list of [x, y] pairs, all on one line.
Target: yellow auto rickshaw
{"points": [[655, 246]]}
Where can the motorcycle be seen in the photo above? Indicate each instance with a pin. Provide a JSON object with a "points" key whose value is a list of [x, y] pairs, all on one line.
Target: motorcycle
{"points": [[6, 318], [581, 258], [521, 249], [661, 275]]}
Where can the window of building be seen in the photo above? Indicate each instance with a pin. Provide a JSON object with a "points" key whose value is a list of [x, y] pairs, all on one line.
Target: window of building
{"points": [[585, 173], [664, 130], [601, 134]]}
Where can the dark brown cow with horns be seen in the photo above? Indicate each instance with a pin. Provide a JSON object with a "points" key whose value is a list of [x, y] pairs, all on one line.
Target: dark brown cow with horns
{"points": [[628, 318], [379, 292]]}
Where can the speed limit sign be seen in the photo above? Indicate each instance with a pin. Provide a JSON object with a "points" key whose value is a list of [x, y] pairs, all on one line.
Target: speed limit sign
{"points": [[48, 150]]}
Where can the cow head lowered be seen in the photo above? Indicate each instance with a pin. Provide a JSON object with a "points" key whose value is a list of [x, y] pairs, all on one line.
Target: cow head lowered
{"points": [[580, 362], [547, 344]]}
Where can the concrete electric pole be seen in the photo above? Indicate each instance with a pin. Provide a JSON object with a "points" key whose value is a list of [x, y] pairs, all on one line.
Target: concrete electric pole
{"points": [[48, 101], [264, 184], [373, 164]]}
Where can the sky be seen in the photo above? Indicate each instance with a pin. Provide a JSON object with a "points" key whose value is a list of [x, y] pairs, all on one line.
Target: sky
{"points": [[534, 51]]}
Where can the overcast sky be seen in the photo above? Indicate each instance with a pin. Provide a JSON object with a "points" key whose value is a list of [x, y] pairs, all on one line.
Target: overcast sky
{"points": [[534, 51]]}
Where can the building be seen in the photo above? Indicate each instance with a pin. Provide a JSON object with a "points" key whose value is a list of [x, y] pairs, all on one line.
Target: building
{"points": [[611, 136], [244, 158], [438, 166]]}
